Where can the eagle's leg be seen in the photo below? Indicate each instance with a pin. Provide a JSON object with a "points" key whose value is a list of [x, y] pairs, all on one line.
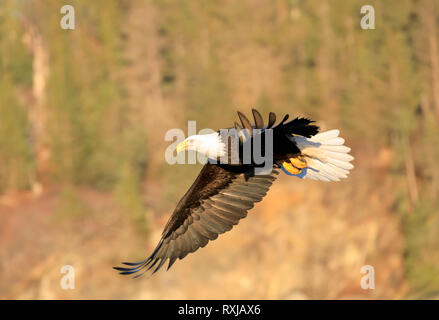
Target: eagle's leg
{"points": [[291, 168], [298, 162]]}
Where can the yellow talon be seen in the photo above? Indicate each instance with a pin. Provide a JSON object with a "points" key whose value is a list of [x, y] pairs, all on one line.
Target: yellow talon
{"points": [[290, 168], [298, 162]]}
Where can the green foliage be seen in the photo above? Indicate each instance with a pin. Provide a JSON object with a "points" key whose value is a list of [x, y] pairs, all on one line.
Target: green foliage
{"points": [[15, 77], [131, 173], [84, 96], [129, 196], [422, 256], [15, 153]]}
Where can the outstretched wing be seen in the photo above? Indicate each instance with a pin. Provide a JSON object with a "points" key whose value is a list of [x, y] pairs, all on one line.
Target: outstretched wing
{"points": [[220, 196]]}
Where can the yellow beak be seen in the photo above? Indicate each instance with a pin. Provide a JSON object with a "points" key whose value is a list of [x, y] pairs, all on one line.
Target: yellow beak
{"points": [[182, 146]]}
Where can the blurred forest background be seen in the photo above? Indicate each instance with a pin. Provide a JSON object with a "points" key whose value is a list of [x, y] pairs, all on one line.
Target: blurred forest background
{"points": [[83, 114]]}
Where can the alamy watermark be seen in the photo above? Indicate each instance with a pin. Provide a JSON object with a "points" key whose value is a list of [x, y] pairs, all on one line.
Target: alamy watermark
{"points": [[368, 280], [68, 20], [368, 20], [67, 281]]}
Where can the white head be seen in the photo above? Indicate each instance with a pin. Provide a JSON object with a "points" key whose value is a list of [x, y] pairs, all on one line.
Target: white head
{"points": [[208, 144]]}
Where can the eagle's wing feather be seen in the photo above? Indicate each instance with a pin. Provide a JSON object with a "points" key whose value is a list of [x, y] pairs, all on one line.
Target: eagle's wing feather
{"points": [[217, 200]]}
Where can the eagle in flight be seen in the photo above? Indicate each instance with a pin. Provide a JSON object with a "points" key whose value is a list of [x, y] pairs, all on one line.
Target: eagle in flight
{"points": [[229, 185]]}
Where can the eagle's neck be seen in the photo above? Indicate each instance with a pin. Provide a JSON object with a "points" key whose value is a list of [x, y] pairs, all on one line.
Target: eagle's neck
{"points": [[210, 145]]}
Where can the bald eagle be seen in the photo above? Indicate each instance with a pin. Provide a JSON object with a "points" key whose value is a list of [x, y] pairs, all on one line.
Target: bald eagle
{"points": [[225, 191]]}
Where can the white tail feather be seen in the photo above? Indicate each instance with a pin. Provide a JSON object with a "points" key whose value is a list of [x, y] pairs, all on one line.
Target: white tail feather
{"points": [[327, 157]]}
